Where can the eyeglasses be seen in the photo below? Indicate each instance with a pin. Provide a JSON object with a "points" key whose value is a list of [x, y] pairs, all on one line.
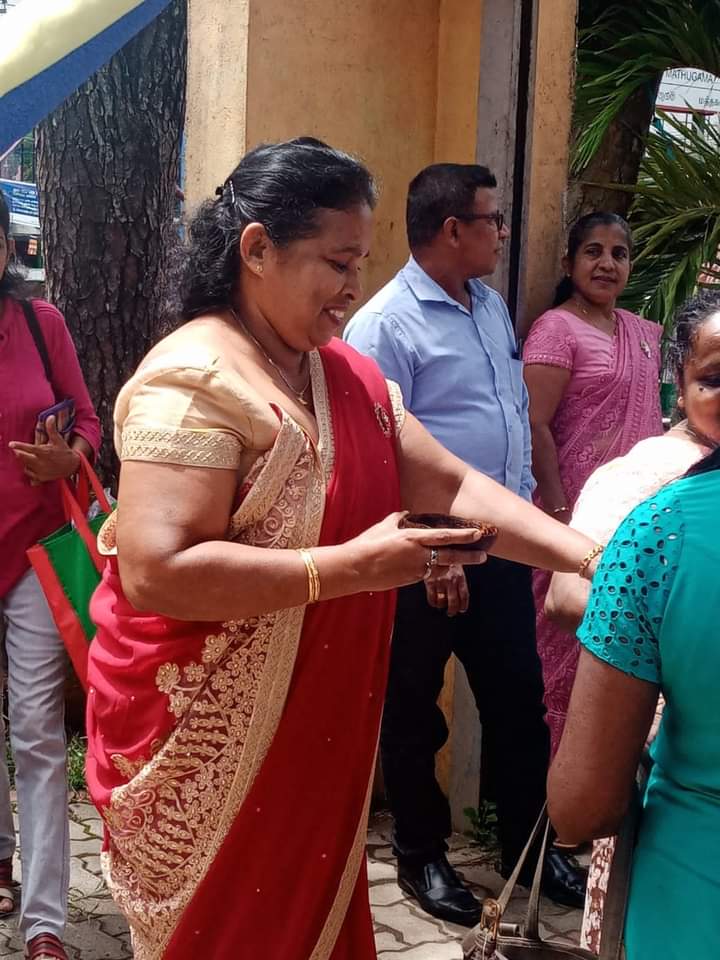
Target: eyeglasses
{"points": [[497, 218]]}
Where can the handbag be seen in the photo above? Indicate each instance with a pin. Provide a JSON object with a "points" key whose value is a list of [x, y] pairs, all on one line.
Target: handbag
{"points": [[68, 565], [492, 939]]}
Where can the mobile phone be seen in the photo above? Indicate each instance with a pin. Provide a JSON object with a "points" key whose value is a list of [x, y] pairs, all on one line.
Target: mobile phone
{"points": [[64, 413]]}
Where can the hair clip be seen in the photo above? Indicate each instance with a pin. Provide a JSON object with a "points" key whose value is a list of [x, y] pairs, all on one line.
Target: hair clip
{"points": [[220, 191]]}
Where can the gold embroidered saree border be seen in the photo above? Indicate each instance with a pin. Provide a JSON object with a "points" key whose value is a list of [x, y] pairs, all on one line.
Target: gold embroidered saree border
{"points": [[397, 404], [194, 448], [323, 414], [335, 919]]}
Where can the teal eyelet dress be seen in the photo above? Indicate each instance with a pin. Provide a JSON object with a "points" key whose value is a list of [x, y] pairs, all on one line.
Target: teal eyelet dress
{"points": [[654, 613]]}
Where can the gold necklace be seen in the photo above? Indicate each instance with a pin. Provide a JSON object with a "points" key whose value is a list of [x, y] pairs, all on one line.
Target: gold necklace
{"points": [[586, 313], [644, 345], [299, 395]]}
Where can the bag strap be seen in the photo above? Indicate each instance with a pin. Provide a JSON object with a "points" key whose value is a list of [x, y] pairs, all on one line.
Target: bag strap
{"points": [[616, 897], [532, 918], [77, 515], [480, 942], [37, 335], [482, 939], [87, 479], [76, 510]]}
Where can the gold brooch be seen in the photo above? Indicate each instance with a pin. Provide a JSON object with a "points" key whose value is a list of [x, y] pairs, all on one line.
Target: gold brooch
{"points": [[383, 418]]}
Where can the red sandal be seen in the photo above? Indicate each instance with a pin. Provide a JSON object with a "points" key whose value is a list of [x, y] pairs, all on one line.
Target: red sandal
{"points": [[45, 946], [7, 887]]}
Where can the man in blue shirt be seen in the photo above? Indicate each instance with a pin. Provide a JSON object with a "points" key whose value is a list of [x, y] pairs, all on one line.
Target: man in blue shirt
{"points": [[447, 339]]}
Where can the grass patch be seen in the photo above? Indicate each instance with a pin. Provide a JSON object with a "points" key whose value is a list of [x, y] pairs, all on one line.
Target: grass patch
{"points": [[484, 826], [77, 748]]}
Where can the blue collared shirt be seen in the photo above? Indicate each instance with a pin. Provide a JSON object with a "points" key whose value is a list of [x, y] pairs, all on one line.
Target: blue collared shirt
{"points": [[458, 369]]}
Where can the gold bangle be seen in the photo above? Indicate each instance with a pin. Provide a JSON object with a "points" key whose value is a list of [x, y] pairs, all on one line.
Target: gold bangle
{"points": [[313, 576], [588, 559]]}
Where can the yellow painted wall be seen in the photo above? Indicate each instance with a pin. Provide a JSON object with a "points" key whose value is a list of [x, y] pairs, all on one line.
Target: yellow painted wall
{"points": [[393, 81], [552, 100], [459, 42], [216, 93], [363, 78]]}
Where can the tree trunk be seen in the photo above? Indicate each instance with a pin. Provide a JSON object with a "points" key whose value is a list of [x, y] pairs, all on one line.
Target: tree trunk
{"points": [[617, 160], [108, 171]]}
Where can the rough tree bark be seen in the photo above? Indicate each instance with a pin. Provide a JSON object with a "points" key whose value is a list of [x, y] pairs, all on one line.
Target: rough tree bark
{"points": [[108, 169], [618, 159]]}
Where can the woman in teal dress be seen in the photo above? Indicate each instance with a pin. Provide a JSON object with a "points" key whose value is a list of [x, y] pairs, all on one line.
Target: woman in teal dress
{"points": [[652, 625]]}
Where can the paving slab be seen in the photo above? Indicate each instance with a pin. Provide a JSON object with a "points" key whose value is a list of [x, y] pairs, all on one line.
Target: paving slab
{"points": [[97, 931]]}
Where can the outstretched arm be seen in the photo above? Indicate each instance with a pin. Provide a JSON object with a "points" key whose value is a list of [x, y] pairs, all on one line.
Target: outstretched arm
{"points": [[434, 480]]}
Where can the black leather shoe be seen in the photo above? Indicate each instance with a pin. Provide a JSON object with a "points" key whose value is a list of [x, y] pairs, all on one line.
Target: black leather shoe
{"points": [[564, 880], [439, 891]]}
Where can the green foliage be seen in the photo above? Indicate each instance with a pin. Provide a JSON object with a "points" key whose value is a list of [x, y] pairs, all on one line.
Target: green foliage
{"points": [[675, 217], [76, 750], [626, 47], [484, 826]]}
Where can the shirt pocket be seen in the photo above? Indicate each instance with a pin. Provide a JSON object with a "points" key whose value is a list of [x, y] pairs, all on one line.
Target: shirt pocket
{"points": [[515, 368]]}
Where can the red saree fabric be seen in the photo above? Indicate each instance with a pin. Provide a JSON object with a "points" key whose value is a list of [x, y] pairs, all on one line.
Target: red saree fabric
{"points": [[288, 880]]}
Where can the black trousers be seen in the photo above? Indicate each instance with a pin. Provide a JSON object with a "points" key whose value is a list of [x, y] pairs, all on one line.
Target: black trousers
{"points": [[495, 642]]}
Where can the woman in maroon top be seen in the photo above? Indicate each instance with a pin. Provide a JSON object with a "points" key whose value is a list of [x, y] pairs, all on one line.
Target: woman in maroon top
{"points": [[32, 509]]}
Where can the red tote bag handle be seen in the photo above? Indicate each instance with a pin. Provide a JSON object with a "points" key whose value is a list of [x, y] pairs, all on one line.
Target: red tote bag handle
{"points": [[76, 506], [87, 479]]}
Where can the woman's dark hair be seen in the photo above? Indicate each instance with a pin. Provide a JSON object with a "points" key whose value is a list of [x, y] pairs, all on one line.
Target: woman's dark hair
{"points": [[440, 191], [577, 236], [688, 321], [280, 185], [710, 462], [12, 283]]}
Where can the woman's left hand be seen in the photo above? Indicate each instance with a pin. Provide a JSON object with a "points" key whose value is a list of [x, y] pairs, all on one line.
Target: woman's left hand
{"points": [[47, 461]]}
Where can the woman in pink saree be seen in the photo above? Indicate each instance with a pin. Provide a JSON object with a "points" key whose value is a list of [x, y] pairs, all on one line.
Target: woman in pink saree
{"points": [[239, 668], [592, 374]]}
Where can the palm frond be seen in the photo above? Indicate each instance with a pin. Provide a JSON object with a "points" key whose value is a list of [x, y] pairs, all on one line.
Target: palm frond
{"points": [[627, 48], [675, 217]]}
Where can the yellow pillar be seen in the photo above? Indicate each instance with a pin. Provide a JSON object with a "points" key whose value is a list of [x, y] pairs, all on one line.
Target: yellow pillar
{"points": [[215, 119], [459, 37], [551, 107], [362, 79], [456, 134]]}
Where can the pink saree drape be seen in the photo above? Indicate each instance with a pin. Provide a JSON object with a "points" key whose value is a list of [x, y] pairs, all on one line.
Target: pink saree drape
{"points": [[612, 401]]}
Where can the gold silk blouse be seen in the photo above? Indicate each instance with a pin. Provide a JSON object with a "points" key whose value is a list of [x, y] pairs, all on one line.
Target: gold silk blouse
{"points": [[188, 407]]}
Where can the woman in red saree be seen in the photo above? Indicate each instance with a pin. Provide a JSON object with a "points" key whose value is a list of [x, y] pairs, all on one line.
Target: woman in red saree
{"points": [[592, 372], [232, 718]]}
